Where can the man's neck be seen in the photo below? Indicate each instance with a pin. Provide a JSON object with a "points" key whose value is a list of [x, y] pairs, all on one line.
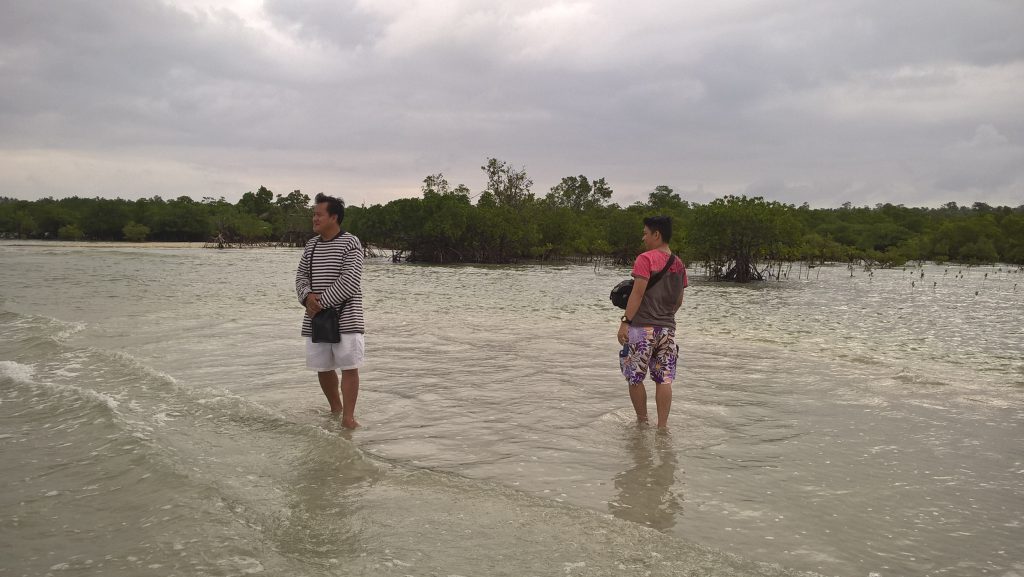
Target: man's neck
{"points": [[663, 248], [330, 234]]}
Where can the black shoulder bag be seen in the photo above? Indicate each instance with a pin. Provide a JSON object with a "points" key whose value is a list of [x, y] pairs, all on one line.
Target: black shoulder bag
{"points": [[325, 322], [620, 294]]}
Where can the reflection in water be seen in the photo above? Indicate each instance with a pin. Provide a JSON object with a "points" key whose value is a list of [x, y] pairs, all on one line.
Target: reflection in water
{"points": [[645, 490], [322, 501]]}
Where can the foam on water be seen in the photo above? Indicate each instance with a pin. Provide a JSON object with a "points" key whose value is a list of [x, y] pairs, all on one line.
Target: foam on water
{"points": [[26, 375], [16, 371]]}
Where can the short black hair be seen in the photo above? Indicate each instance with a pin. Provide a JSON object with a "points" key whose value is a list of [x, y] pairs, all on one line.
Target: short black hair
{"points": [[661, 224], [335, 206]]}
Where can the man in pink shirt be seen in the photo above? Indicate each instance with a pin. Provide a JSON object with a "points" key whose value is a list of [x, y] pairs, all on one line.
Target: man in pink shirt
{"points": [[648, 329]]}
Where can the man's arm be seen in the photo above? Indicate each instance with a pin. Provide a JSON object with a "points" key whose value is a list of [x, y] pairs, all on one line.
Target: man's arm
{"points": [[302, 284], [636, 297], [632, 305], [679, 303]]}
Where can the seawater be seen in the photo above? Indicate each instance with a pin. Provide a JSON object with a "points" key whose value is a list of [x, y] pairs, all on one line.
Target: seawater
{"points": [[156, 419]]}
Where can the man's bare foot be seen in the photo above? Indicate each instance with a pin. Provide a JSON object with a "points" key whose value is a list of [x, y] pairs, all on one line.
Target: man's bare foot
{"points": [[349, 423], [642, 422]]}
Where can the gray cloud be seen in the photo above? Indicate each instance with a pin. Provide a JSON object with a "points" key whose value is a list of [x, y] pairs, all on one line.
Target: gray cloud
{"points": [[337, 23], [824, 102]]}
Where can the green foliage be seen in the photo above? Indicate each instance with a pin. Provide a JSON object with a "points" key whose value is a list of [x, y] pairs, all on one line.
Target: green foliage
{"points": [[70, 232], [182, 219], [815, 248], [256, 218], [578, 194], [258, 203], [624, 231], [290, 218], [664, 200], [1012, 239], [735, 233], [135, 232], [510, 187], [735, 237], [15, 218], [981, 250]]}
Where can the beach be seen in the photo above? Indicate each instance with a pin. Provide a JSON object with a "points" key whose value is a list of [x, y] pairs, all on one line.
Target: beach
{"points": [[157, 420]]}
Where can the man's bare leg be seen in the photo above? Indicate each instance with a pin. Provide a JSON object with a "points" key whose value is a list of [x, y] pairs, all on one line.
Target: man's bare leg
{"points": [[663, 398], [329, 384], [349, 392], [638, 395]]}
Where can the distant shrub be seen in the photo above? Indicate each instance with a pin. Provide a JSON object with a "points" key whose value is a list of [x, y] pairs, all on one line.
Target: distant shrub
{"points": [[135, 232], [70, 232]]}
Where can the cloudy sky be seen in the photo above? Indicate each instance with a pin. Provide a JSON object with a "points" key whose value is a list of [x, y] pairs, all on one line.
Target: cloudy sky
{"points": [[918, 102]]}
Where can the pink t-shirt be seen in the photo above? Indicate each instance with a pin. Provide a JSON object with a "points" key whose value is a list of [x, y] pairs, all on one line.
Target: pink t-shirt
{"points": [[652, 261]]}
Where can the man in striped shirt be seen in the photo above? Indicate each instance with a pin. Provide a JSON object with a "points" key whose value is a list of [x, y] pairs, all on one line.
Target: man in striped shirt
{"points": [[330, 275]]}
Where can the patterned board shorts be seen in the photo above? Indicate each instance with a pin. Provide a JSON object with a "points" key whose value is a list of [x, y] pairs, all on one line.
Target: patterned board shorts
{"points": [[652, 348]]}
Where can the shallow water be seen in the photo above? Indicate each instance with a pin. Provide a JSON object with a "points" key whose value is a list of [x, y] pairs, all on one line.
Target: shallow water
{"points": [[156, 419]]}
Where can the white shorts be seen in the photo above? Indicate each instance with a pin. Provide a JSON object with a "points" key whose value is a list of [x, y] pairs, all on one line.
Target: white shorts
{"points": [[348, 354]]}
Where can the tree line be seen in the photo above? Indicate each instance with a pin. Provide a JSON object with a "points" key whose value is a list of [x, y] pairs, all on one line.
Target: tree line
{"points": [[736, 238], [257, 217]]}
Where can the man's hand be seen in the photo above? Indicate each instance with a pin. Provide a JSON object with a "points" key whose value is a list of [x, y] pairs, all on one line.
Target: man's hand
{"points": [[623, 333], [313, 305]]}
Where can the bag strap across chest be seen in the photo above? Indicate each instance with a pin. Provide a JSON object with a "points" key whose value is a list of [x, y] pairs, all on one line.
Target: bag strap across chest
{"points": [[657, 276], [309, 269]]}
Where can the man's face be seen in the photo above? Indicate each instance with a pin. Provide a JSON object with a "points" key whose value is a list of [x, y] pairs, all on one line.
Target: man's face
{"points": [[651, 239], [321, 218]]}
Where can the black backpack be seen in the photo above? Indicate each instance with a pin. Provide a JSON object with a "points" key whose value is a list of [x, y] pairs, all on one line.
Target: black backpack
{"points": [[620, 294]]}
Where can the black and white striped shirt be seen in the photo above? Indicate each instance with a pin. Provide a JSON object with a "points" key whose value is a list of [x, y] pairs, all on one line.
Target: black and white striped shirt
{"points": [[337, 277]]}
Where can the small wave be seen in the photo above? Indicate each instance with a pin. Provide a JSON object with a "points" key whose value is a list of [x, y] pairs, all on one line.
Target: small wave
{"points": [[623, 416], [989, 401], [26, 375], [142, 400], [134, 363], [32, 340], [19, 325], [71, 328], [158, 406], [910, 378]]}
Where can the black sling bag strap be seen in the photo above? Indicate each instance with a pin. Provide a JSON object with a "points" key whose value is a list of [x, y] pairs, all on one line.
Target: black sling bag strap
{"points": [[654, 277]]}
